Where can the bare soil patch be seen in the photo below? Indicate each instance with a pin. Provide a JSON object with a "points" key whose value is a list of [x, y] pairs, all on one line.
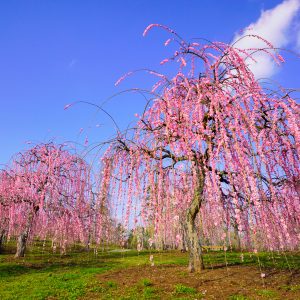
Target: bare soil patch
{"points": [[234, 282]]}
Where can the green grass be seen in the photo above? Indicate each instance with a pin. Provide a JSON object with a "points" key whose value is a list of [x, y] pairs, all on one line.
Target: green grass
{"points": [[42, 274], [267, 293], [149, 292], [292, 288], [134, 293], [46, 275], [65, 282], [146, 282], [183, 289], [238, 297], [111, 284]]}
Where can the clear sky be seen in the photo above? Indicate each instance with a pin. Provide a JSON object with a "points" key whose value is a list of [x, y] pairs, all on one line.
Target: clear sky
{"points": [[54, 52]]}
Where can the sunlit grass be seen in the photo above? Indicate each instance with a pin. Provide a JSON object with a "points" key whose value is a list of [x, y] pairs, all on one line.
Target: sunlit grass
{"points": [[42, 274]]}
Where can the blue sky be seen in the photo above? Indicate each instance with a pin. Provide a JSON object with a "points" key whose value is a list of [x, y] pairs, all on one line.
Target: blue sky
{"points": [[56, 52]]}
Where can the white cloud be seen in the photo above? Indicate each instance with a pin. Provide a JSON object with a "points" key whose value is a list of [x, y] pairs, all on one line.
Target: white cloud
{"points": [[274, 25]]}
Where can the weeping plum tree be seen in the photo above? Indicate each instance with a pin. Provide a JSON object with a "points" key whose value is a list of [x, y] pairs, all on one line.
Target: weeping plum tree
{"points": [[45, 191], [215, 146]]}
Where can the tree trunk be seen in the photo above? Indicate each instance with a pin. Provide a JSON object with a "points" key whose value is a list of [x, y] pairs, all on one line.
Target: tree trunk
{"points": [[23, 237], [2, 239], [195, 250], [21, 244], [160, 245], [183, 246], [88, 243], [237, 238], [63, 248]]}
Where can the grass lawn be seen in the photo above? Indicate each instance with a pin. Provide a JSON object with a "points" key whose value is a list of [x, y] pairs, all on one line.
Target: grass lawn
{"points": [[129, 275]]}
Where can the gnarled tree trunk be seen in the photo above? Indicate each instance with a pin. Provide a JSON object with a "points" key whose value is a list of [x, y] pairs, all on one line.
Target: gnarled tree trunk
{"points": [[195, 250]]}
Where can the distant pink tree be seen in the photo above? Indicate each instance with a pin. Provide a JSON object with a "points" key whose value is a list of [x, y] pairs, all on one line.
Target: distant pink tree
{"points": [[46, 192], [215, 146]]}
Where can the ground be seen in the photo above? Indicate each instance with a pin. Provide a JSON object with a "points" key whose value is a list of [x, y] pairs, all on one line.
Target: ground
{"points": [[129, 275], [174, 282]]}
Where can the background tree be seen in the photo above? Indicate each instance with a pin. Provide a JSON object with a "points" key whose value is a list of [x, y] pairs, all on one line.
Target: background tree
{"points": [[46, 190], [214, 132]]}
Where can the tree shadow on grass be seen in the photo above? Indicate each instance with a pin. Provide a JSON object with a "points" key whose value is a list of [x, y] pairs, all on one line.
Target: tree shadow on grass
{"points": [[8, 270], [77, 261]]}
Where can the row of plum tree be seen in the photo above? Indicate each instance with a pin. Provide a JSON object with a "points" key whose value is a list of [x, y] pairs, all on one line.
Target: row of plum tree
{"points": [[215, 153]]}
